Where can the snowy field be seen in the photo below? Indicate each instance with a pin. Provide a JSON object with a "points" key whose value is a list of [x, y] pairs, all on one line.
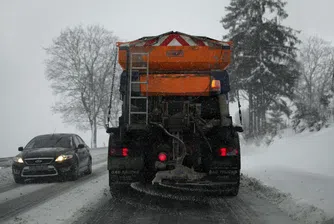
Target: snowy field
{"points": [[301, 165]]}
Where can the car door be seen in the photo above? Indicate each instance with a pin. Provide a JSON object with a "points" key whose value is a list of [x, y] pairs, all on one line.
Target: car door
{"points": [[84, 152], [78, 151]]}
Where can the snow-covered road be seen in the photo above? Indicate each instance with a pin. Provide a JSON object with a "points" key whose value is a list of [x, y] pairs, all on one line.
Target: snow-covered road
{"points": [[6, 179], [163, 207], [16, 199], [88, 200]]}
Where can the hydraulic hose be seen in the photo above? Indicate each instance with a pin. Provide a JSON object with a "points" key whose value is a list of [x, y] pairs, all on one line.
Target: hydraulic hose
{"points": [[179, 160], [202, 133], [112, 87]]}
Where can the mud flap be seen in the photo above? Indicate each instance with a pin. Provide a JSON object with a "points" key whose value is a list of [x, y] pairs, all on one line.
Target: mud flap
{"points": [[123, 176], [125, 169]]}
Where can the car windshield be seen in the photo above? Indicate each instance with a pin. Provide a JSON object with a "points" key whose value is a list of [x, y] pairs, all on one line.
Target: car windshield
{"points": [[49, 142]]}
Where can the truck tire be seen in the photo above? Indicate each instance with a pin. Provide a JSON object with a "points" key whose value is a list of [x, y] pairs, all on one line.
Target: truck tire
{"points": [[115, 190], [119, 190], [234, 190]]}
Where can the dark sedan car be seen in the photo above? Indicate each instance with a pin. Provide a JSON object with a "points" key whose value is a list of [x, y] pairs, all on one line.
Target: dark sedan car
{"points": [[63, 155]]}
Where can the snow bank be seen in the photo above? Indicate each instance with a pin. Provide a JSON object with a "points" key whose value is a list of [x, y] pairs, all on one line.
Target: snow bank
{"points": [[309, 152], [299, 210], [300, 165], [6, 162], [6, 176]]}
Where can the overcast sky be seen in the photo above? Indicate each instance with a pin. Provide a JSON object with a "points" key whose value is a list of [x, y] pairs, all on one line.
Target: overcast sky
{"points": [[29, 25]]}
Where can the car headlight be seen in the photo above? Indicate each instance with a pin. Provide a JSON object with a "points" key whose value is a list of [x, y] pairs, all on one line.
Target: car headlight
{"points": [[62, 158], [18, 159]]}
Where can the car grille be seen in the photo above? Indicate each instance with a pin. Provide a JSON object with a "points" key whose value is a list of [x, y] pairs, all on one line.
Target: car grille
{"points": [[39, 172], [38, 161], [49, 171]]}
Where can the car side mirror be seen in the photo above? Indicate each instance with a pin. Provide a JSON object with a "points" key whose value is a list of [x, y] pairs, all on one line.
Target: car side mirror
{"points": [[20, 148], [238, 129], [112, 130], [81, 146]]}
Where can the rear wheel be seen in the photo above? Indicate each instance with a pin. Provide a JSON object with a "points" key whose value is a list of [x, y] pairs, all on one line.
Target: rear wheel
{"points": [[234, 190], [89, 167], [118, 189], [115, 190], [230, 183]]}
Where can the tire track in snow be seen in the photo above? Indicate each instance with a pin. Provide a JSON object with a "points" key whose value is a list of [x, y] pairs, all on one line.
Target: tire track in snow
{"points": [[132, 206]]}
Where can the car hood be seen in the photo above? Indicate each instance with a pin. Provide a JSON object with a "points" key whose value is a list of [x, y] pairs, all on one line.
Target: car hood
{"points": [[44, 152]]}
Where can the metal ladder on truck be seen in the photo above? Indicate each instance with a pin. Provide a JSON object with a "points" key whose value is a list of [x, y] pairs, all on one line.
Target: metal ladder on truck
{"points": [[132, 83]]}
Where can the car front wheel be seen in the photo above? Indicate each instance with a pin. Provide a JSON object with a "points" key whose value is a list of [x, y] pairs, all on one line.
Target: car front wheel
{"points": [[19, 180], [74, 171]]}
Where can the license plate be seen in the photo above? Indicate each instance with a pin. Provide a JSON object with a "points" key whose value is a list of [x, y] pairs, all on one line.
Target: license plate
{"points": [[124, 172], [223, 172], [126, 178], [38, 168]]}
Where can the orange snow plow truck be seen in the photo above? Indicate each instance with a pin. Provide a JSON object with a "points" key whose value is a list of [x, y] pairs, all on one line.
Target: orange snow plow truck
{"points": [[175, 128]]}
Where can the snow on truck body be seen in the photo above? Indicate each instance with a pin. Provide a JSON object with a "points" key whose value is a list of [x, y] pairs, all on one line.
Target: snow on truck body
{"points": [[174, 89]]}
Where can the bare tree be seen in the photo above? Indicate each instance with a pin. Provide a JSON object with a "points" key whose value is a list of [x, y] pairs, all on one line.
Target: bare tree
{"points": [[313, 89], [80, 66], [316, 56]]}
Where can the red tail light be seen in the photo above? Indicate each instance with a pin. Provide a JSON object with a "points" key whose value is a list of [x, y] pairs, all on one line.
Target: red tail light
{"points": [[116, 152], [223, 152], [162, 156], [125, 152], [228, 151]]}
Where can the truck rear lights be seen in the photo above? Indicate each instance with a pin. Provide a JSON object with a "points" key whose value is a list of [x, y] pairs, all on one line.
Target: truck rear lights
{"points": [[162, 157], [119, 152], [228, 151], [223, 152], [125, 152]]}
